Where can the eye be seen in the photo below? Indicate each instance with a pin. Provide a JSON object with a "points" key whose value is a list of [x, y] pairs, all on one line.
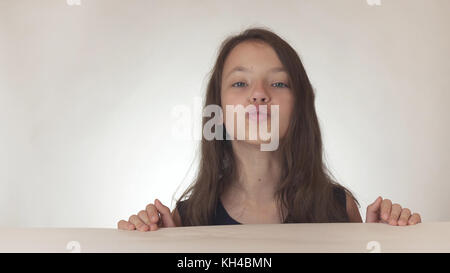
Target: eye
{"points": [[239, 84], [280, 85]]}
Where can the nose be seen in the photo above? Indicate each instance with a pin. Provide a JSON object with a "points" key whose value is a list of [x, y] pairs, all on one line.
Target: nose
{"points": [[259, 95]]}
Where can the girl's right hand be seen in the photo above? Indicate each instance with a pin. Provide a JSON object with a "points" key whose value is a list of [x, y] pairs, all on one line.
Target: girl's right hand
{"points": [[153, 217]]}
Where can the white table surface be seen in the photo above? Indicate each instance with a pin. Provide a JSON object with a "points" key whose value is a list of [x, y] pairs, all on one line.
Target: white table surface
{"points": [[269, 238]]}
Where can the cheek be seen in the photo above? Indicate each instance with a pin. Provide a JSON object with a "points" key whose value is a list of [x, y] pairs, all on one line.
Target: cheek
{"points": [[228, 98], [232, 98], [286, 111]]}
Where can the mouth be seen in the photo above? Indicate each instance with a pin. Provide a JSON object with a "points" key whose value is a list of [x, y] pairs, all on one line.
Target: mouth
{"points": [[258, 114]]}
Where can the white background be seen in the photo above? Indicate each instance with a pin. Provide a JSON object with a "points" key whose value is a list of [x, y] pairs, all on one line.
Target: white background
{"points": [[87, 92]]}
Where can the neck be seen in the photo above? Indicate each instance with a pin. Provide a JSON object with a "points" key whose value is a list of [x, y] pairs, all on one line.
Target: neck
{"points": [[258, 173]]}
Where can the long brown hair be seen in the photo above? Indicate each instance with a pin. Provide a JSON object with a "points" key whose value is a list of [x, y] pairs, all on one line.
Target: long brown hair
{"points": [[306, 188]]}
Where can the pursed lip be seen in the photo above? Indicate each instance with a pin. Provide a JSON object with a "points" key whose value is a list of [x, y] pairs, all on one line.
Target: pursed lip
{"points": [[259, 112]]}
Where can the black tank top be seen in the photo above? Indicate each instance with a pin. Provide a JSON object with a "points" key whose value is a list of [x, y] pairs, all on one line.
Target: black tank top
{"points": [[223, 218]]}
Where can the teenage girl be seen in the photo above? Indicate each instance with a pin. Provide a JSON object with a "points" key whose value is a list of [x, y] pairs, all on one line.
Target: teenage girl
{"points": [[237, 183]]}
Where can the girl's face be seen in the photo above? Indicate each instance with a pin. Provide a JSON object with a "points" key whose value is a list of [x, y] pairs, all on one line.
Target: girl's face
{"points": [[253, 74]]}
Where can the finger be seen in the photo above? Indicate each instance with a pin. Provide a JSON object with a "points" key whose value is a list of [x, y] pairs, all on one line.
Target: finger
{"points": [[385, 210], [134, 219], [404, 216], [153, 216], [395, 214], [125, 225], [372, 213], [152, 213], [414, 219], [166, 216], [144, 217]]}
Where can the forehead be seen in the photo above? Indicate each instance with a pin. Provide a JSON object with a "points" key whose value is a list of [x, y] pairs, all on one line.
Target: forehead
{"points": [[252, 54]]}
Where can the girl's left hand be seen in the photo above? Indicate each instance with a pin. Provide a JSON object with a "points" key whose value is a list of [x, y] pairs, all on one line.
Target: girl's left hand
{"points": [[383, 211]]}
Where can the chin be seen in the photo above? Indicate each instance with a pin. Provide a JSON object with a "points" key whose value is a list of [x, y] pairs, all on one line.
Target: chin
{"points": [[256, 141]]}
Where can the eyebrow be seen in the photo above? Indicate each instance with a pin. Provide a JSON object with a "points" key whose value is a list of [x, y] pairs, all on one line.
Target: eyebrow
{"points": [[244, 69]]}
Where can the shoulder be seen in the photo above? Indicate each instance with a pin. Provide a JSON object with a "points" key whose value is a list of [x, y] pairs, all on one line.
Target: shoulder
{"points": [[349, 202], [339, 193], [177, 213], [352, 209]]}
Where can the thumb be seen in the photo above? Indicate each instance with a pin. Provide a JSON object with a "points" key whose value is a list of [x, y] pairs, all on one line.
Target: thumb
{"points": [[373, 211], [166, 216]]}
